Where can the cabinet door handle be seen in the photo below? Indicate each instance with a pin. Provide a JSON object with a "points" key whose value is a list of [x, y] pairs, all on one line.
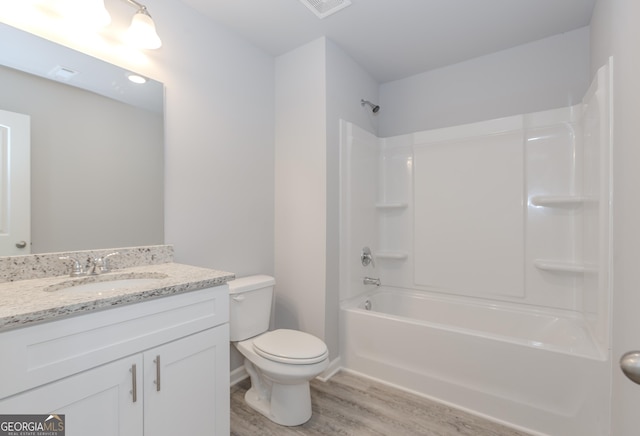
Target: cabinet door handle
{"points": [[134, 382], [157, 362]]}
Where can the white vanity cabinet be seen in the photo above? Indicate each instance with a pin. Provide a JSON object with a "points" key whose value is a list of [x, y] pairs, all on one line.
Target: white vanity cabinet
{"points": [[193, 394], [96, 402], [154, 368]]}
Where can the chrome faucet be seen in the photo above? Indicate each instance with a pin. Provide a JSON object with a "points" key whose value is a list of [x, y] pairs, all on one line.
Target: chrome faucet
{"points": [[371, 281], [92, 265], [77, 269], [102, 263], [95, 265]]}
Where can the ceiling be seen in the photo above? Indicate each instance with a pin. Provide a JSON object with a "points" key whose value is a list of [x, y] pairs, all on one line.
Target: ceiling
{"points": [[394, 39]]}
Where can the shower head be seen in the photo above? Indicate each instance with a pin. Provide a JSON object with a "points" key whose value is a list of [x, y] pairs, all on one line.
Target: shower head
{"points": [[374, 107]]}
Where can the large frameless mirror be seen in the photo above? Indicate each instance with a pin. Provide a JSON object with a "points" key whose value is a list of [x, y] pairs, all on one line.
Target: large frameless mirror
{"points": [[96, 150]]}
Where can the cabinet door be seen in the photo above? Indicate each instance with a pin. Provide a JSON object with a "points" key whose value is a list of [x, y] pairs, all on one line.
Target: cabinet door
{"points": [[97, 402], [187, 388]]}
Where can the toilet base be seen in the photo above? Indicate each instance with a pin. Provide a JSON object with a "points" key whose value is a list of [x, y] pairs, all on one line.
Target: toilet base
{"points": [[279, 391], [287, 405]]}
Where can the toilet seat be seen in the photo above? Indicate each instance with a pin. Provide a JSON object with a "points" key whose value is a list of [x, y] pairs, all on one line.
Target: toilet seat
{"points": [[290, 346]]}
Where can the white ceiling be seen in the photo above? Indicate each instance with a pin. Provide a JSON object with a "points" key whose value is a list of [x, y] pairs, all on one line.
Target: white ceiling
{"points": [[393, 39]]}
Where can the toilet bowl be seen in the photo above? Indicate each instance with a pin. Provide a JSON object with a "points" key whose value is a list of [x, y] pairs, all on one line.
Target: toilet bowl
{"points": [[280, 363], [280, 384]]}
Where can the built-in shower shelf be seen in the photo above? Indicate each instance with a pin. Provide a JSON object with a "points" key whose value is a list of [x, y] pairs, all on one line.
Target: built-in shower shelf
{"points": [[560, 266], [560, 200], [391, 206], [391, 255]]}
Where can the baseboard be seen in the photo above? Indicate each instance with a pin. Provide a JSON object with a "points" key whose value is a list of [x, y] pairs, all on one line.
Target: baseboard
{"points": [[334, 367], [239, 374]]}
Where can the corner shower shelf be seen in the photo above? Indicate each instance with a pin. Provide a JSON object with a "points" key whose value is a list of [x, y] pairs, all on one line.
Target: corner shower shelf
{"points": [[560, 200], [391, 255], [559, 266], [391, 206]]}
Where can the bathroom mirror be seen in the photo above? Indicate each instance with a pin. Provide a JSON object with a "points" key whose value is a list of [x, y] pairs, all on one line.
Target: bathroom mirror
{"points": [[97, 146]]}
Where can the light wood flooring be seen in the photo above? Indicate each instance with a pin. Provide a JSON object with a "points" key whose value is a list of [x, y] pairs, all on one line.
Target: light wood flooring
{"points": [[351, 405]]}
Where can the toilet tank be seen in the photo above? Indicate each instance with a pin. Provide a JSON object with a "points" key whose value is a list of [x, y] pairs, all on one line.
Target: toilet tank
{"points": [[250, 306]]}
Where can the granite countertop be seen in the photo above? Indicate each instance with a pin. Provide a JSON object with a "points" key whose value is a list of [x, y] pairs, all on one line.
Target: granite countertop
{"points": [[25, 302]]}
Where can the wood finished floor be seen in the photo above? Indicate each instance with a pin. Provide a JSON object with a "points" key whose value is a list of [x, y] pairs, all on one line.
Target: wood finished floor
{"points": [[352, 405]]}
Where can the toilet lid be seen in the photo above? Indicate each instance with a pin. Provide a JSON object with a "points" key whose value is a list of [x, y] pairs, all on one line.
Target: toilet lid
{"points": [[290, 346]]}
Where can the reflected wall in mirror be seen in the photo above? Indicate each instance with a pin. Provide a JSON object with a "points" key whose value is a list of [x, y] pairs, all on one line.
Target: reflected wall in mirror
{"points": [[97, 162]]}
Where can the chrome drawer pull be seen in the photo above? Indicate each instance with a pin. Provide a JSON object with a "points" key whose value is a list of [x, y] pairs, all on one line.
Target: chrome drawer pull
{"points": [[134, 382], [157, 382]]}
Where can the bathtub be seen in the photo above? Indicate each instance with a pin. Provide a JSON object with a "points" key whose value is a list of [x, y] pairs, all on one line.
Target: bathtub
{"points": [[536, 371]]}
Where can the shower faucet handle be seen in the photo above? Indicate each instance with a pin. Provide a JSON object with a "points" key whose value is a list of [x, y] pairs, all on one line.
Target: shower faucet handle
{"points": [[366, 257]]}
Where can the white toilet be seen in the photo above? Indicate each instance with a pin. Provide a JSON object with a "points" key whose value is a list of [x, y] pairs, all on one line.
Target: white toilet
{"points": [[281, 362]]}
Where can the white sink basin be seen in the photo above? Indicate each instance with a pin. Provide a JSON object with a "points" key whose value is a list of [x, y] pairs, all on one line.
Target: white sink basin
{"points": [[108, 283]]}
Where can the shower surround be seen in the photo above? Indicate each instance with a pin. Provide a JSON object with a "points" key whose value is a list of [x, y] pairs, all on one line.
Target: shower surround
{"points": [[502, 223]]}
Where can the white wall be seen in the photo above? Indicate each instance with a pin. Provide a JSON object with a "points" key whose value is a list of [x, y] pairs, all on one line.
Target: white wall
{"points": [[616, 30], [316, 85], [421, 239], [300, 189], [347, 84], [601, 34], [218, 131], [219, 156], [360, 186], [546, 74]]}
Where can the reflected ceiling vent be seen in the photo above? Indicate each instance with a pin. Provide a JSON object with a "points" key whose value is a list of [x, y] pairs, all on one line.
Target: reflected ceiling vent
{"points": [[324, 8], [63, 74]]}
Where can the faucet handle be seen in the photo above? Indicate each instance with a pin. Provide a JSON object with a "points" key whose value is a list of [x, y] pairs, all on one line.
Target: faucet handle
{"points": [[102, 263], [366, 257], [77, 269]]}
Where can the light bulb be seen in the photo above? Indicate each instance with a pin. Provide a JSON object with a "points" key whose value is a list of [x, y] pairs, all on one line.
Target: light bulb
{"points": [[142, 32], [85, 13]]}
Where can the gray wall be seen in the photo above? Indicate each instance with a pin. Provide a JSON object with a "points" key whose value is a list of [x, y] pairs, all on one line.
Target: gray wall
{"points": [[545, 74], [219, 202], [316, 85]]}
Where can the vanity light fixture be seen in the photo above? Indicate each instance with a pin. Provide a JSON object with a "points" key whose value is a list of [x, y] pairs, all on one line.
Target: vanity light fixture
{"points": [[100, 15], [142, 32], [87, 13]]}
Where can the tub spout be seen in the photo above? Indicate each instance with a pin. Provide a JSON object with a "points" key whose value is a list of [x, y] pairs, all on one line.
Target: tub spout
{"points": [[371, 281]]}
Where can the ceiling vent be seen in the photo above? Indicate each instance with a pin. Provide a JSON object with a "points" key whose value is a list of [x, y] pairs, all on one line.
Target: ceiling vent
{"points": [[62, 74], [324, 8]]}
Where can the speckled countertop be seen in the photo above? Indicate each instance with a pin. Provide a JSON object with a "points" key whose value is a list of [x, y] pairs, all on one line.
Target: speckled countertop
{"points": [[27, 301]]}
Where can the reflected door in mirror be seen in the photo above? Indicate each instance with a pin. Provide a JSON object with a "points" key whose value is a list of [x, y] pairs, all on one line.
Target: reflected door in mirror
{"points": [[15, 193]]}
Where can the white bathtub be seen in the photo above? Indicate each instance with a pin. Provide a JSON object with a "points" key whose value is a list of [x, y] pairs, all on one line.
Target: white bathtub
{"points": [[535, 371]]}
